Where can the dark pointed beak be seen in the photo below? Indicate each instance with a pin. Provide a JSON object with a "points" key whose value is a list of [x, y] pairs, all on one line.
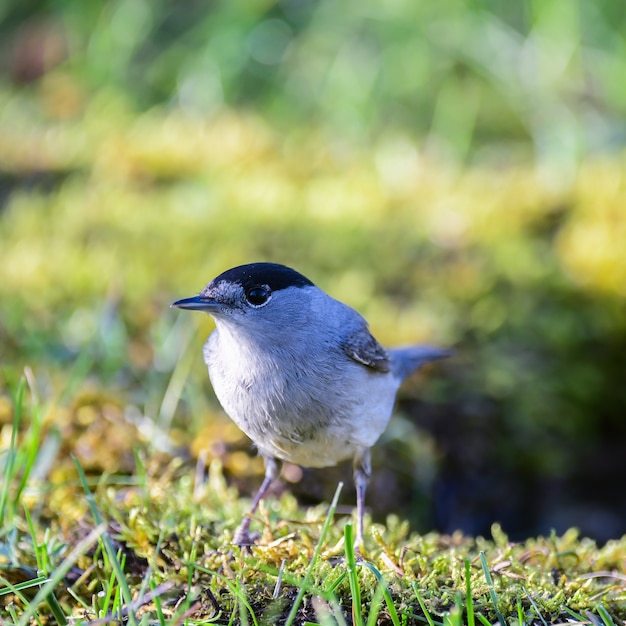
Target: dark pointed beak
{"points": [[198, 303]]}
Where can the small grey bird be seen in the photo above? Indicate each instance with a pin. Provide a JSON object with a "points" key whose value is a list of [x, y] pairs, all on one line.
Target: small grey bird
{"points": [[300, 373]]}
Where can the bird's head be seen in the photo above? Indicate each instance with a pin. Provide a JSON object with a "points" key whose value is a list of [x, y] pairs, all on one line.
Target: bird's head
{"points": [[256, 294]]}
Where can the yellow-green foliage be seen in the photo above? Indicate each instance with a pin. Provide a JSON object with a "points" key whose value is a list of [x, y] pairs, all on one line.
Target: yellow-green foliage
{"points": [[153, 205]]}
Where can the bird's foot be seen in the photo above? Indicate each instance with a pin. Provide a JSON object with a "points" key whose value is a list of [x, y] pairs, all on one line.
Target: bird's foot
{"points": [[360, 553], [244, 538]]}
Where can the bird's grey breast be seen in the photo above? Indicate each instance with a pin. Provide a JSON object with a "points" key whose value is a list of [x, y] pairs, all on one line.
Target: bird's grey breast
{"points": [[268, 391]]}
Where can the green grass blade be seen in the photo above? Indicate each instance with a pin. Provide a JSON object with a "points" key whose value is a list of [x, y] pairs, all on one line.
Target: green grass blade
{"points": [[33, 537], [179, 377], [534, 605], [244, 607], [17, 590], [375, 604], [469, 600], [520, 613], [577, 616], [454, 617], [422, 604], [56, 609], [81, 368], [233, 587], [42, 566], [337, 612], [158, 605], [17, 587], [147, 578], [108, 545], [109, 590], [191, 566], [384, 589], [32, 442], [492, 591], [12, 452], [605, 615], [60, 572], [318, 548], [353, 579], [483, 620], [335, 583]]}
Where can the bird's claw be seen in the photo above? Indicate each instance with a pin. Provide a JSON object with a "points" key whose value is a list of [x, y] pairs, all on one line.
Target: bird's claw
{"points": [[244, 538]]}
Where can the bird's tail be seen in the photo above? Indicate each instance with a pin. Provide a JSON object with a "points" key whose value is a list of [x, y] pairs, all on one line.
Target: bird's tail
{"points": [[405, 360]]}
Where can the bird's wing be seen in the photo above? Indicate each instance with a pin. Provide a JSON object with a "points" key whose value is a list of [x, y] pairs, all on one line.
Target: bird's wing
{"points": [[363, 348]]}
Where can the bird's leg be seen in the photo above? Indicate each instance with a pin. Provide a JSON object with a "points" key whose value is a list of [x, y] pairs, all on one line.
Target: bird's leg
{"points": [[362, 471], [242, 534]]}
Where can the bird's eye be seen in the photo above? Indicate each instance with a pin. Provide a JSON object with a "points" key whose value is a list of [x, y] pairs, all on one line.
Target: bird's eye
{"points": [[258, 295]]}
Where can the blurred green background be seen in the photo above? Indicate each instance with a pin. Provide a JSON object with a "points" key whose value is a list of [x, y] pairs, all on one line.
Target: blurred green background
{"points": [[454, 170]]}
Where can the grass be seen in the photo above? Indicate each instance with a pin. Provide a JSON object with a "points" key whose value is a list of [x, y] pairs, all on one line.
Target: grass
{"points": [[153, 547]]}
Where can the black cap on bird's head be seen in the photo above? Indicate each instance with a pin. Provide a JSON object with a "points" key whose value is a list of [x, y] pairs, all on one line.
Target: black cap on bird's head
{"points": [[256, 280], [274, 275]]}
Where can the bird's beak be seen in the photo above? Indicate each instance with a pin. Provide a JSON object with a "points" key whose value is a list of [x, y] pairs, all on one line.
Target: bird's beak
{"points": [[198, 303]]}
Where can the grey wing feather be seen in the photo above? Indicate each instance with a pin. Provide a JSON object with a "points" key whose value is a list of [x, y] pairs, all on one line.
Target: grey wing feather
{"points": [[363, 348]]}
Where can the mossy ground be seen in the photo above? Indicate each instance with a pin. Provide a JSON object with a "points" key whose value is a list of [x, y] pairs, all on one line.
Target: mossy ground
{"points": [[153, 545]]}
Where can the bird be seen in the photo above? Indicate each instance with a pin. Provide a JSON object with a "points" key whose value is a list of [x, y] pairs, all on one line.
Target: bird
{"points": [[300, 374]]}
